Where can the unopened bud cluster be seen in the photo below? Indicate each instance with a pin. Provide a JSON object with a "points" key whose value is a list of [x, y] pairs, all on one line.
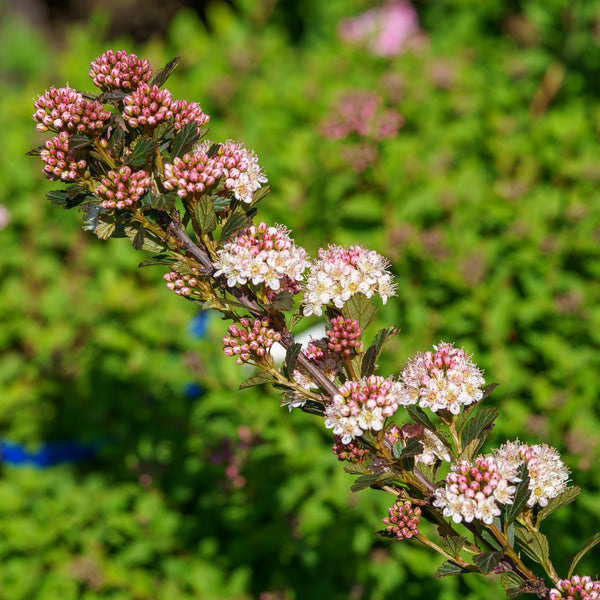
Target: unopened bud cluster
{"points": [[403, 520], [181, 284], [250, 340], [60, 162], [352, 452], [123, 188], [119, 71], [344, 336], [576, 588]]}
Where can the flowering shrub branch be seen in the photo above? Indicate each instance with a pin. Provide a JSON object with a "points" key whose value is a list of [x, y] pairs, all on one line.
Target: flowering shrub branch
{"points": [[136, 163]]}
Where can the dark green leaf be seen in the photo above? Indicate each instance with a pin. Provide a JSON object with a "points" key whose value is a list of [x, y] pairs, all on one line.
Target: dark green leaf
{"points": [[259, 379], [259, 194], [296, 317], [163, 202], [234, 225], [204, 214], [454, 543], [451, 568], [284, 301], [360, 308], [164, 130], [469, 451], [386, 534], [479, 426], [183, 268], [220, 202], [369, 360], [162, 76], [214, 148], [397, 449], [138, 238], [143, 239], [142, 150], [533, 544], [487, 561], [522, 494], [77, 142], [159, 259], [511, 584], [355, 469], [184, 140], [57, 197], [413, 447], [562, 499], [364, 482], [489, 538], [418, 416], [291, 356], [595, 539], [112, 96], [314, 408], [35, 151]]}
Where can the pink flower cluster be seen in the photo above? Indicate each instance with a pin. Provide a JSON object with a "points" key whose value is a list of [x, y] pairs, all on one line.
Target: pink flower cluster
{"points": [[351, 452], [386, 29], [65, 109], [185, 112], [123, 188], [548, 475], [251, 340], [576, 588], [360, 112], [340, 272], [444, 379], [119, 71], [361, 406], [61, 163], [181, 284], [403, 520], [262, 255], [472, 491], [344, 336], [232, 163]]}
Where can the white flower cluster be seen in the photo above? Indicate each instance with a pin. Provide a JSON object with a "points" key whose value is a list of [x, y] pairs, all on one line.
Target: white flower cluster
{"points": [[445, 379], [262, 254], [339, 272], [360, 406], [548, 475], [473, 490]]}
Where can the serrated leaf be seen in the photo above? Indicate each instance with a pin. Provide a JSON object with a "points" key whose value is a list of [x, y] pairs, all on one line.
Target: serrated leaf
{"points": [[235, 224], [397, 449], [413, 447], [162, 76], [163, 202], [204, 214], [143, 239], [479, 426], [220, 202], [291, 356], [562, 499], [259, 194], [77, 141], [296, 317], [164, 129], [363, 482], [469, 451], [454, 543], [355, 469], [184, 140], [360, 308], [595, 539], [510, 582], [259, 379], [533, 544], [57, 197], [386, 534], [112, 96], [522, 494], [284, 301], [214, 148], [451, 568], [489, 538], [418, 416], [369, 360], [488, 561], [159, 259], [104, 229], [141, 150]]}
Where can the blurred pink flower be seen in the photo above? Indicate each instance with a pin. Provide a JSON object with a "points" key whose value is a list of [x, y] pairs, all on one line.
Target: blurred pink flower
{"points": [[385, 29], [4, 216]]}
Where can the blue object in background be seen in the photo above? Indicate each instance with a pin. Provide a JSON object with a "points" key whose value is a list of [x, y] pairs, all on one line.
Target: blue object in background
{"points": [[48, 454], [193, 390], [199, 324]]}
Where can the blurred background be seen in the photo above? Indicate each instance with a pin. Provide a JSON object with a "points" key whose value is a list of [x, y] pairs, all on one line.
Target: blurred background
{"points": [[457, 137]]}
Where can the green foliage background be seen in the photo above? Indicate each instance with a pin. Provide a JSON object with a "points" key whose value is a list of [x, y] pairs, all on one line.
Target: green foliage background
{"points": [[488, 209]]}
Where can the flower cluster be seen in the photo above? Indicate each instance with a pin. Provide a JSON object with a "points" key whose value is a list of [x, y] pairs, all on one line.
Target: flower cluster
{"points": [[576, 588], [361, 406], [251, 340], [181, 284], [352, 452], [344, 336], [61, 162], [261, 255], [548, 475], [444, 379], [147, 107], [119, 71], [472, 491], [122, 188], [360, 113], [65, 109], [185, 112], [403, 520], [386, 29], [339, 272]]}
